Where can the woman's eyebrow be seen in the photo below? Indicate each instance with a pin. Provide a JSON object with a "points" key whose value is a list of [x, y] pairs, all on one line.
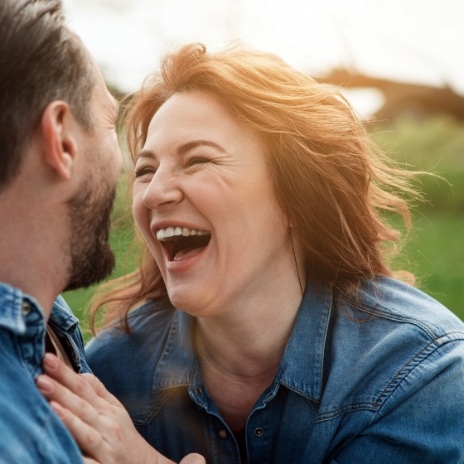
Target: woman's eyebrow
{"points": [[181, 149], [145, 154], [186, 147]]}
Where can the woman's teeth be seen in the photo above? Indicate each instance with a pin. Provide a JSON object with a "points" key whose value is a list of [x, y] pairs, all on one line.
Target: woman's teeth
{"points": [[168, 232]]}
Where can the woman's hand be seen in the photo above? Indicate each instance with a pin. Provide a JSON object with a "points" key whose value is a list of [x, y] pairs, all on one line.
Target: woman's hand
{"points": [[98, 421]]}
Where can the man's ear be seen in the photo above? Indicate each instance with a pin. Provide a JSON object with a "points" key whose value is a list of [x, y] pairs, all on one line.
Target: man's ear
{"points": [[58, 138]]}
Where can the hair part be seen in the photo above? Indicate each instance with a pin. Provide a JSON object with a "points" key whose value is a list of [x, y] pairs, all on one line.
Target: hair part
{"points": [[331, 181], [41, 60]]}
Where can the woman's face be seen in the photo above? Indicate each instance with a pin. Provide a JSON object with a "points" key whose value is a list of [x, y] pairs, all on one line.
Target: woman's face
{"points": [[204, 202]]}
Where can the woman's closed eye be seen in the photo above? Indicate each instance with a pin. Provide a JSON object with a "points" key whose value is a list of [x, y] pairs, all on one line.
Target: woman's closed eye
{"points": [[144, 172], [197, 162]]}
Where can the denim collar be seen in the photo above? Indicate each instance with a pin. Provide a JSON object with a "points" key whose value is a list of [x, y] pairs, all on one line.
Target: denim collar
{"points": [[61, 317], [12, 302], [301, 368], [13, 318], [66, 326], [302, 365], [11, 311]]}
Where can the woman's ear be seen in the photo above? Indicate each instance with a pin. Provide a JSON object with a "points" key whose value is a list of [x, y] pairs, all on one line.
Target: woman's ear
{"points": [[57, 127]]}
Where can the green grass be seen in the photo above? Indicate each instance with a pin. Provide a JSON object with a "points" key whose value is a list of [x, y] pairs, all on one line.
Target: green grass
{"points": [[433, 145], [435, 254]]}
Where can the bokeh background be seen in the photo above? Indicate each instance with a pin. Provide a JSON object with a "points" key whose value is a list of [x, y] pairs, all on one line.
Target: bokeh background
{"points": [[400, 63]]}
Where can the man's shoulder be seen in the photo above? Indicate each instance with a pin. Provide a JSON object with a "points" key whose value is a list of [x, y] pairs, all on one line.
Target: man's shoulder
{"points": [[30, 431]]}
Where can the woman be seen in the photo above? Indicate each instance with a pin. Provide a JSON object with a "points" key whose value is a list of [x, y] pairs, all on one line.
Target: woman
{"points": [[270, 327]]}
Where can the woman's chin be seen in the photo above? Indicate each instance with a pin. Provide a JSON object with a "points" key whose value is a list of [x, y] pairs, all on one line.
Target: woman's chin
{"points": [[189, 303]]}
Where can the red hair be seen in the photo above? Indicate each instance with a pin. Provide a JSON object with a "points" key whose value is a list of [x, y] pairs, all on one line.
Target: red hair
{"points": [[331, 181]]}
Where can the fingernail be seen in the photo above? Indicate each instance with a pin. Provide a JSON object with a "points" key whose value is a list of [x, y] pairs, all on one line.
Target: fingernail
{"points": [[58, 409], [50, 361], [44, 384]]}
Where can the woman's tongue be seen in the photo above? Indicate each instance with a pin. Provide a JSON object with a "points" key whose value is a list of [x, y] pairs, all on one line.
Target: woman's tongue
{"points": [[187, 253]]}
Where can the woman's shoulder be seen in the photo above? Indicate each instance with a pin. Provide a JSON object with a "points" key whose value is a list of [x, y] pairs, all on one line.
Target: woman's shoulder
{"points": [[126, 361], [398, 339], [395, 301], [393, 324], [148, 327]]}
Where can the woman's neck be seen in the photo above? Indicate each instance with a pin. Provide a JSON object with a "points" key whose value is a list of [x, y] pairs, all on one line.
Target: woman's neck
{"points": [[249, 341]]}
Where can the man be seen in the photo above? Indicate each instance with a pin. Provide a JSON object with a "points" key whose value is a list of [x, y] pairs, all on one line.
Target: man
{"points": [[59, 162]]}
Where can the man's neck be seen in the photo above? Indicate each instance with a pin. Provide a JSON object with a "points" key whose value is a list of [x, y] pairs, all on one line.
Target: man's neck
{"points": [[30, 286], [31, 262], [34, 229]]}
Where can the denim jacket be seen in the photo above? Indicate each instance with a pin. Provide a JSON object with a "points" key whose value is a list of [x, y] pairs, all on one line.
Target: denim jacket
{"points": [[30, 432], [383, 383]]}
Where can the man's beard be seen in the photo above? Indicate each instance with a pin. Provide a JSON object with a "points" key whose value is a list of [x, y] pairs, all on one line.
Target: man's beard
{"points": [[92, 259]]}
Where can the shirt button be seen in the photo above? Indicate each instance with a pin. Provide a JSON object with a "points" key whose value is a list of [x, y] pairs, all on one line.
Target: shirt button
{"points": [[198, 390], [259, 431], [26, 308], [222, 434]]}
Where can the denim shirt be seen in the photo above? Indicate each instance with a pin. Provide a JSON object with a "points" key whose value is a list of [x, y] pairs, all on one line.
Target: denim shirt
{"points": [[30, 432], [380, 384]]}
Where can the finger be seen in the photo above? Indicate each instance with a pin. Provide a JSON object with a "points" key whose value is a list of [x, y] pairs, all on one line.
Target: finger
{"points": [[100, 389], [55, 392], [193, 458], [99, 435], [88, 439], [63, 374], [86, 386]]}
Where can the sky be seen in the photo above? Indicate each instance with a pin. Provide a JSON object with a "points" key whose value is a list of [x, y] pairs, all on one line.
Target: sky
{"points": [[418, 41]]}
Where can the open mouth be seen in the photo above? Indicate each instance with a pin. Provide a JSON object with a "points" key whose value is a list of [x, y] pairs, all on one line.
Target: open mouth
{"points": [[181, 242]]}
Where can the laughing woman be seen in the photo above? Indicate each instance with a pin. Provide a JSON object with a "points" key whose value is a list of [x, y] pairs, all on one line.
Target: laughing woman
{"points": [[269, 327]]}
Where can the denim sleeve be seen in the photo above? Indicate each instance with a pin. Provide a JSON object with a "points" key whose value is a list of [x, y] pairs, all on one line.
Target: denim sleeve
{"points": [[422, 418]]}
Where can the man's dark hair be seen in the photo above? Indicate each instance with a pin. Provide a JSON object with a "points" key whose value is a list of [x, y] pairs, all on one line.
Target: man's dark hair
{"points": [[41, 60]]}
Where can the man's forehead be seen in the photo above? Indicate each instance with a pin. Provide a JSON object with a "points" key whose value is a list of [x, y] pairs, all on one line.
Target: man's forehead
{"points": [[105, 96], [113, 103]]}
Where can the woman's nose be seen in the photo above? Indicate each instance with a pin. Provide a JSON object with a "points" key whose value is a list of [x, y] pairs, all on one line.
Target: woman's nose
{"points": [[163, 189]]}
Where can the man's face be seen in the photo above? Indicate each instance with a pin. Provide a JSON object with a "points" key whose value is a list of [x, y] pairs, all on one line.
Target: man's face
{"points": [[91, 256]]}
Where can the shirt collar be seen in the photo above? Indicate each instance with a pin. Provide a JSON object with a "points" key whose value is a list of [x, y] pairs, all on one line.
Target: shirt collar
{"points": [[14, 304], [66, 327], [302, 366], [61, 317], [301, 369], [177, 360]]}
